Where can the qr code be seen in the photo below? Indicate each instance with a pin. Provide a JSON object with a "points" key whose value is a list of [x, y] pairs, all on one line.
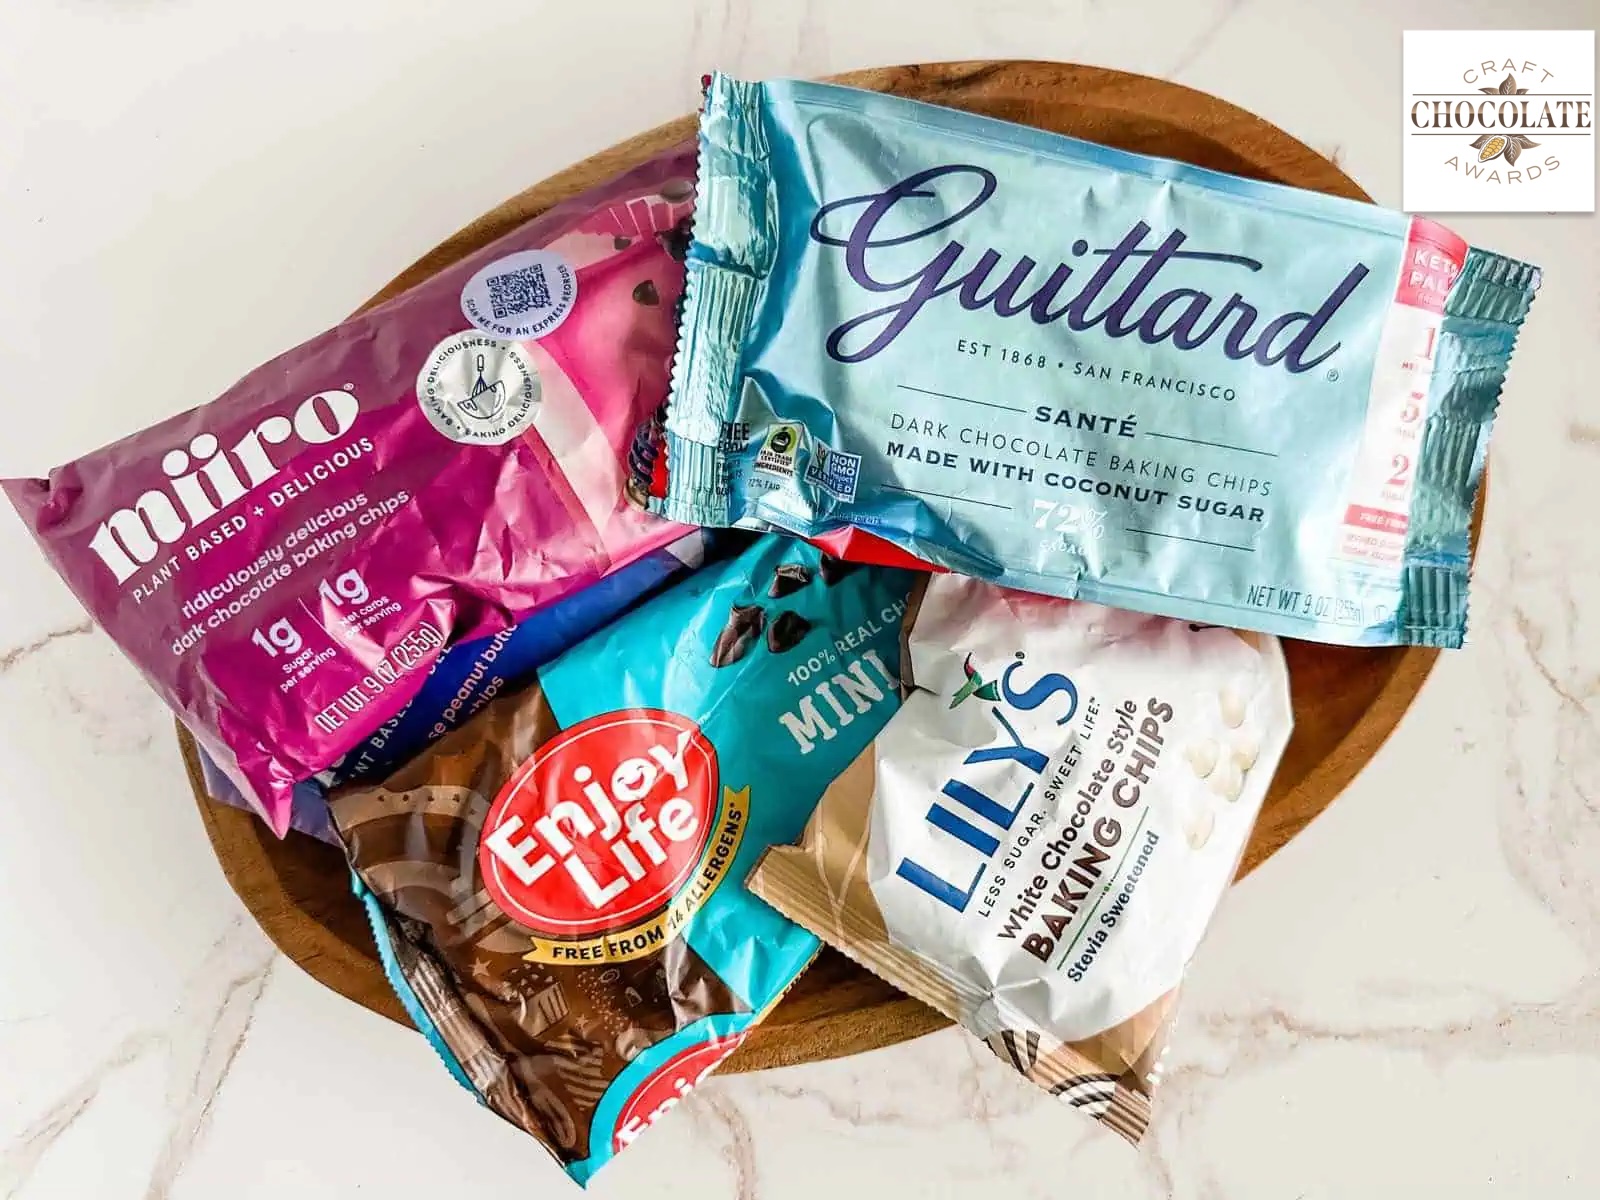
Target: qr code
{"points": [[517, 292]]}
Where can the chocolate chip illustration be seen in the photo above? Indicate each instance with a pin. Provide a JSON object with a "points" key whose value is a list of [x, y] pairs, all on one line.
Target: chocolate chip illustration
{"points": [[621, 243], [788, 579], [676, 240], [646, 293], [745, 622], [677, 189], [834, 569], [788, 630]]}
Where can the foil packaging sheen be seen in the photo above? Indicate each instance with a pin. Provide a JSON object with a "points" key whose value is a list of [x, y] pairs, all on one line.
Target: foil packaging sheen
{"points": [[1036, 843], [1083, 372], [287, 562], [557, 885]]}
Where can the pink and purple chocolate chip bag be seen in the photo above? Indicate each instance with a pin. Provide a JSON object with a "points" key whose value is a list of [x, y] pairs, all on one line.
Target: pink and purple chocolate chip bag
{"points": [[286, 563]]}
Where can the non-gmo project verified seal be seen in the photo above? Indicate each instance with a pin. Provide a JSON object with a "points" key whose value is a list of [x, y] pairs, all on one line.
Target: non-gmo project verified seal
{"points": [[1499, 120], [834, 471]]}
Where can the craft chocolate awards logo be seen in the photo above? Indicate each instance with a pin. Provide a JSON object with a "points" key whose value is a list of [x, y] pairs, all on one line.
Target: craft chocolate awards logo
{"points": [[1499, 121]]}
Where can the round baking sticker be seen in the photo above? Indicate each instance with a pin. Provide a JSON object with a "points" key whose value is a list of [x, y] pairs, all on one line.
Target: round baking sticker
{"points": [[523, 295], [478, 390]]}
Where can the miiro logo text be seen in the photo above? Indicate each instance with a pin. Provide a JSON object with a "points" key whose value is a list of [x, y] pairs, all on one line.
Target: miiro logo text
{"points": [[204, 482]]}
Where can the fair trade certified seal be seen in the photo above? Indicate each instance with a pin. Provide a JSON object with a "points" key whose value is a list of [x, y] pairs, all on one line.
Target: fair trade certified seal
{"points": [[478, 390], [523, 295]]}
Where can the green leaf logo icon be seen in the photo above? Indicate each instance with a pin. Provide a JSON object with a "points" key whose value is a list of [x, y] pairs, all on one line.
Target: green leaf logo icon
{"points": [[975, 686]]}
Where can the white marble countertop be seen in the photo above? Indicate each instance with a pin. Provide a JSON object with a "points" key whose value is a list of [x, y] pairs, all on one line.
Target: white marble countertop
{"points": [[1406, 1002]]}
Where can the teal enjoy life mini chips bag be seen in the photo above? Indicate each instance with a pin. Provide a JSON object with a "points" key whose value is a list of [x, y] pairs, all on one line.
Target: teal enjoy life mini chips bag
{"points": [[1074, 370], [557, 886]]}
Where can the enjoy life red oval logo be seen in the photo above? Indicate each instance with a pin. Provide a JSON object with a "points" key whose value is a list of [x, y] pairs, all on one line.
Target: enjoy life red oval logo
{"points": [[601, 827], [669, 1083]]}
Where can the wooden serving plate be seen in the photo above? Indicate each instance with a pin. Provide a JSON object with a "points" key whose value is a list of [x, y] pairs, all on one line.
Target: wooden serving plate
{"points": [[1346, 701]]}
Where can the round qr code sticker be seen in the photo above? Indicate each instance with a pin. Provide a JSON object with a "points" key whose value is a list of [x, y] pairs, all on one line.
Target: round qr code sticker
{"points": [[523, 295]]}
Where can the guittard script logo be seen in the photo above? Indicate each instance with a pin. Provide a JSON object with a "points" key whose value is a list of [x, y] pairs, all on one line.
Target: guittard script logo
{"points": [[903, 249]]}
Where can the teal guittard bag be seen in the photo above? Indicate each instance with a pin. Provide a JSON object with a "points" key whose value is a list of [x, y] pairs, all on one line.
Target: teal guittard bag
{"points": [[1066, 368]]}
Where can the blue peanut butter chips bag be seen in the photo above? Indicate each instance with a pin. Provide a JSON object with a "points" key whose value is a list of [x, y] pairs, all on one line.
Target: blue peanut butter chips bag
{"points": [[557, 886], [469, 675], [1069, 369]]}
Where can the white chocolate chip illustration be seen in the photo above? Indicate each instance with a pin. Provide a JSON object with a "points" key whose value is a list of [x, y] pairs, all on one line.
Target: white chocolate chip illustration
{"points": [[1244, 747], [1227, 781], [1202, 756], [1232, 704], [1200, 825]]}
